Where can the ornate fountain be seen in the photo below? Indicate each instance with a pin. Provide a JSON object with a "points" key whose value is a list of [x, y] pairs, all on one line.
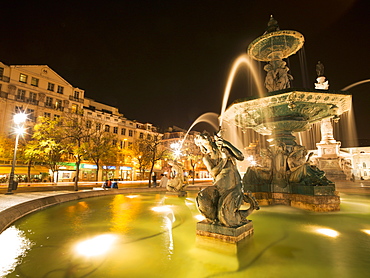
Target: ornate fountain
{"points": [[286, 175]]}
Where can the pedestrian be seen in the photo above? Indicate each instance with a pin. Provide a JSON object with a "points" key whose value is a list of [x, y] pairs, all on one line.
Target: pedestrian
{"points": [[115, 184], [164, 180], [105, 184], [154, 179]]}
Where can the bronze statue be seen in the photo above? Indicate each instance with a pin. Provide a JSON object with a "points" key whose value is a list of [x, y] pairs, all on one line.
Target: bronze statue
{"points": [[220, 203]]}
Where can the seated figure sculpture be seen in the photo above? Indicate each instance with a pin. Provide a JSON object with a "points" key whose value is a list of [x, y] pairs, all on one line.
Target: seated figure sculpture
{"points": [[301, 171], [176, 182], [221, 203], [261, 173]]}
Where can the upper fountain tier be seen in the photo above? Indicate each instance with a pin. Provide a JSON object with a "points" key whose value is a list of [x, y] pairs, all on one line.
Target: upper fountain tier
{"points": [[275, 44]]}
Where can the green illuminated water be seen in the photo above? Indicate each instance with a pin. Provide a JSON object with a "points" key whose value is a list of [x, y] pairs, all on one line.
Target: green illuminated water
{"points": [[150, 235]]}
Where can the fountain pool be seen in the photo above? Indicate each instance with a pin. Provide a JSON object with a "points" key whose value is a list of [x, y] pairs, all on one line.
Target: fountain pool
{"points": [[151, 235]]}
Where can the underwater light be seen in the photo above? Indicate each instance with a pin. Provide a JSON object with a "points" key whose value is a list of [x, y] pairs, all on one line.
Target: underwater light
{"points": [[328, 232], [95, 246]]}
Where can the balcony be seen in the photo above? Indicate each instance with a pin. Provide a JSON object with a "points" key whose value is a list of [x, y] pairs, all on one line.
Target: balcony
{"points": [[32, 101], [58, 107], [3, 95], [5, 78], [76, 99], [20, 98]]}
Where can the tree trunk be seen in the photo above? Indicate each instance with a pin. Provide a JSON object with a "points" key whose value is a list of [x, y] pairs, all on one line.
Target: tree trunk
{"points": [[193, 174], [29, 171], [97, 172], [77, 174]]}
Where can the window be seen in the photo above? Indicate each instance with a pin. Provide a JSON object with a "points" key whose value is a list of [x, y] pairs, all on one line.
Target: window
{"points": [[106, 128], [51, 86], [122, 144], [35, 81], [19, 109], [33, 97], [141, 136], [130, 133], [76, 95], [123, 131], [115, 130], [49, 102], [148, 137], [47, 115], [98, 126], [58, 104], [23, 78], [31, 115], [21, 94], [88, 124], [56, 117], [114, 142], [60, 89], [74, 108], [130, 145]]}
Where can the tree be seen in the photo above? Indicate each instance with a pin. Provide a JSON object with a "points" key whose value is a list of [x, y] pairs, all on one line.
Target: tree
{"points": [[100, 149], [141, 155], [76, 136], [193, 154], [47, 145], [148, 152], [6, 147]]}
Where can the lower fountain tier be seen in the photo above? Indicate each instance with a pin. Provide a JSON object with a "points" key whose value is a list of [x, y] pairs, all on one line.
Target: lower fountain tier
{"points": [[310, 202]]}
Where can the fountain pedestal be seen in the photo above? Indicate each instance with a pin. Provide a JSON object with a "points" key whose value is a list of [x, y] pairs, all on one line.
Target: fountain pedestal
{"points": [[223, 233], [328, 153]]}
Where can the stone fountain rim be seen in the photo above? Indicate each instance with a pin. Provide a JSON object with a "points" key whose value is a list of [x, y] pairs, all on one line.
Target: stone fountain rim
{"points": [[289, 90], [291, 33]]}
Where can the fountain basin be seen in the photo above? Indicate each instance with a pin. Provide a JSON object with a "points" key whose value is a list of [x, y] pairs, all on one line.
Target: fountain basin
{"points": [[287, 242]]}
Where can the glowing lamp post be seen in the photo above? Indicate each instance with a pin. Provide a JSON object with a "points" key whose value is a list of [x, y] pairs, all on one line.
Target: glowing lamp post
{"points": [[18, 120], [176, 149]]}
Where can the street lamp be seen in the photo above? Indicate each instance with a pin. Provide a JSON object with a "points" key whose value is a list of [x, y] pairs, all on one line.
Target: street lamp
{"points": [[19, 129], [176, 146]]}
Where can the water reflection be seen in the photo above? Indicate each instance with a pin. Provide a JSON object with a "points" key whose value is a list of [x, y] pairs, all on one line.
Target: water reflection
{"points": [[14, 245], [327, 232], [96, 246]]}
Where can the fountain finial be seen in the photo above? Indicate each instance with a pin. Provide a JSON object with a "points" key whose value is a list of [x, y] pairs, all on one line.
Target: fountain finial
{"points": [[272, 25], [322, 83]]}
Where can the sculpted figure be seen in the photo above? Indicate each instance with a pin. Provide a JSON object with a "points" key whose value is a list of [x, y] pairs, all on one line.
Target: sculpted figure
{"points": [[301, 171], [319, 69], [277, 77], [176, 183], [220, 203], [260, 174], [280, 154]]}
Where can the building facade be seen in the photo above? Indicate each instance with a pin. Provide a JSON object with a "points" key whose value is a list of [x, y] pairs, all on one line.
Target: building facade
{"points": [[38, 91]]}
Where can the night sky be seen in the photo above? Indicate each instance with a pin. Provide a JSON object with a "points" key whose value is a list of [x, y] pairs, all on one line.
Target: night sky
{"points": [[166, 62]]}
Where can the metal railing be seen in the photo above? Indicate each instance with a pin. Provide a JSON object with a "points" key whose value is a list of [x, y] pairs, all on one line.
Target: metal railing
{"points": [[4, 78], [76, 99]]}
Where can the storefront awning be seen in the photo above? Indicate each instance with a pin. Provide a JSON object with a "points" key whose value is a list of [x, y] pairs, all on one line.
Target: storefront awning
{"points": [[23, 170]]}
